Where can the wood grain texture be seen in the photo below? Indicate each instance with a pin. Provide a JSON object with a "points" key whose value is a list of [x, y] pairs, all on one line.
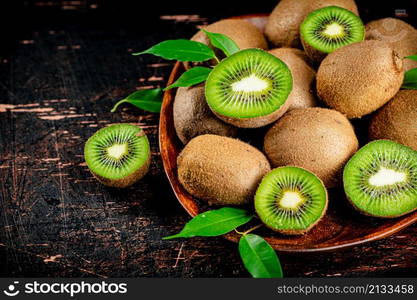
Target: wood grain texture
{"points": [[56, 89]]}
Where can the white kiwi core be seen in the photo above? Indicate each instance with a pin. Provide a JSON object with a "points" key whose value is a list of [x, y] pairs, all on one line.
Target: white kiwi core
{"points": [[334, 30], [291, 200], [386, 176], [116, 151], [249, 84]]}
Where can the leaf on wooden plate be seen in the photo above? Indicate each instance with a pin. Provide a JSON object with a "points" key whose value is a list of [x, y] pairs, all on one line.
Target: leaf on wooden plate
{"points": [[214, 223], [413, 57], [259, 258], [182, 50], [410, 80], [149, 100], [191, 77], [222, 42]]}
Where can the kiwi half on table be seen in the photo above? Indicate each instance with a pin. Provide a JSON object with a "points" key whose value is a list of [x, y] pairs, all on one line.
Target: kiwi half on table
{"points": [[118, 155], [380, 180], [327, 29], [249, 89], [291, 200]]}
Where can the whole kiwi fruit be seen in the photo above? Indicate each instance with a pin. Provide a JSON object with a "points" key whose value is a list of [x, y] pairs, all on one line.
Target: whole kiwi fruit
{"points": [[243, 33], [399, 34], [319, 140], [221, 170], [302, 94], [397, 120], [282, 28], [193, 117], [358, 79]]}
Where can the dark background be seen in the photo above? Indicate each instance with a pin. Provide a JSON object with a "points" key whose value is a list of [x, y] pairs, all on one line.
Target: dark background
{"points": [[63, 64]]}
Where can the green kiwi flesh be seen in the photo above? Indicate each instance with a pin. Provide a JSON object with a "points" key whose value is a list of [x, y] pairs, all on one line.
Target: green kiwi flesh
{"points": [[249, 89], [380, 180], [118, 155], [327, 29], [291, 200]]}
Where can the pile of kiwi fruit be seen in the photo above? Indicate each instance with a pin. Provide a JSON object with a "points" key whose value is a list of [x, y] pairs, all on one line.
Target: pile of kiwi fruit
{"points": [[277, 127], [299, 87]]}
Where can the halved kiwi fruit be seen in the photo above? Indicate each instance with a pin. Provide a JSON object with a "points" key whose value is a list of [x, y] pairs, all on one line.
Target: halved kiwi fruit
{"points": [[291, 200], [327, 29], [283, 26], [380, 180], [118, 155], [249, 89]]}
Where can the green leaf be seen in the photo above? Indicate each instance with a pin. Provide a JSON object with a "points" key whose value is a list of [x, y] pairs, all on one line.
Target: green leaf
{"points": [[410, 80], [191, 77], [214, 223], [413, 57], [149, 100], [182, 50], [258, 257], [221, 41]]}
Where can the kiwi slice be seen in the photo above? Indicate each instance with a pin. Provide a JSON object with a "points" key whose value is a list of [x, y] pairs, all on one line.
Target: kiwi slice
{"points": [[118, 155], [249, 89], [380, 180], [291, 200], [327, 29]]}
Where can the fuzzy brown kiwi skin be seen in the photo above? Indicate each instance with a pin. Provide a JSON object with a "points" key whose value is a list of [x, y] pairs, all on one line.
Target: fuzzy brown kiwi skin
{"points": [[301, 232], [193, 117], [396, 120], [128, 180], [302, 94], [244, 34], [315, 55], [317, 139], [401, 36], [359, 78], [221, 170], [282, 28]]}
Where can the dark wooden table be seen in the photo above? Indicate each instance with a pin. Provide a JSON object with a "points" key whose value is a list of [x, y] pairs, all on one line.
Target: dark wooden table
{"points": [[59, 78]]}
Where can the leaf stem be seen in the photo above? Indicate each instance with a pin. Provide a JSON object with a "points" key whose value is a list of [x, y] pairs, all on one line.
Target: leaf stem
{"points": [[249, 230], [217, 59], [117, 105]]}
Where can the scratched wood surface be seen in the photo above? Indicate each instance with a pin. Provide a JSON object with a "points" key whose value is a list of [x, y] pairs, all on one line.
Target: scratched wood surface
{"points": [[58, 82]]}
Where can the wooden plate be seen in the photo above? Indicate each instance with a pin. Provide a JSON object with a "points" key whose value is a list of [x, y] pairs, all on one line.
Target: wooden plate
{"points": [[341, 227]]}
